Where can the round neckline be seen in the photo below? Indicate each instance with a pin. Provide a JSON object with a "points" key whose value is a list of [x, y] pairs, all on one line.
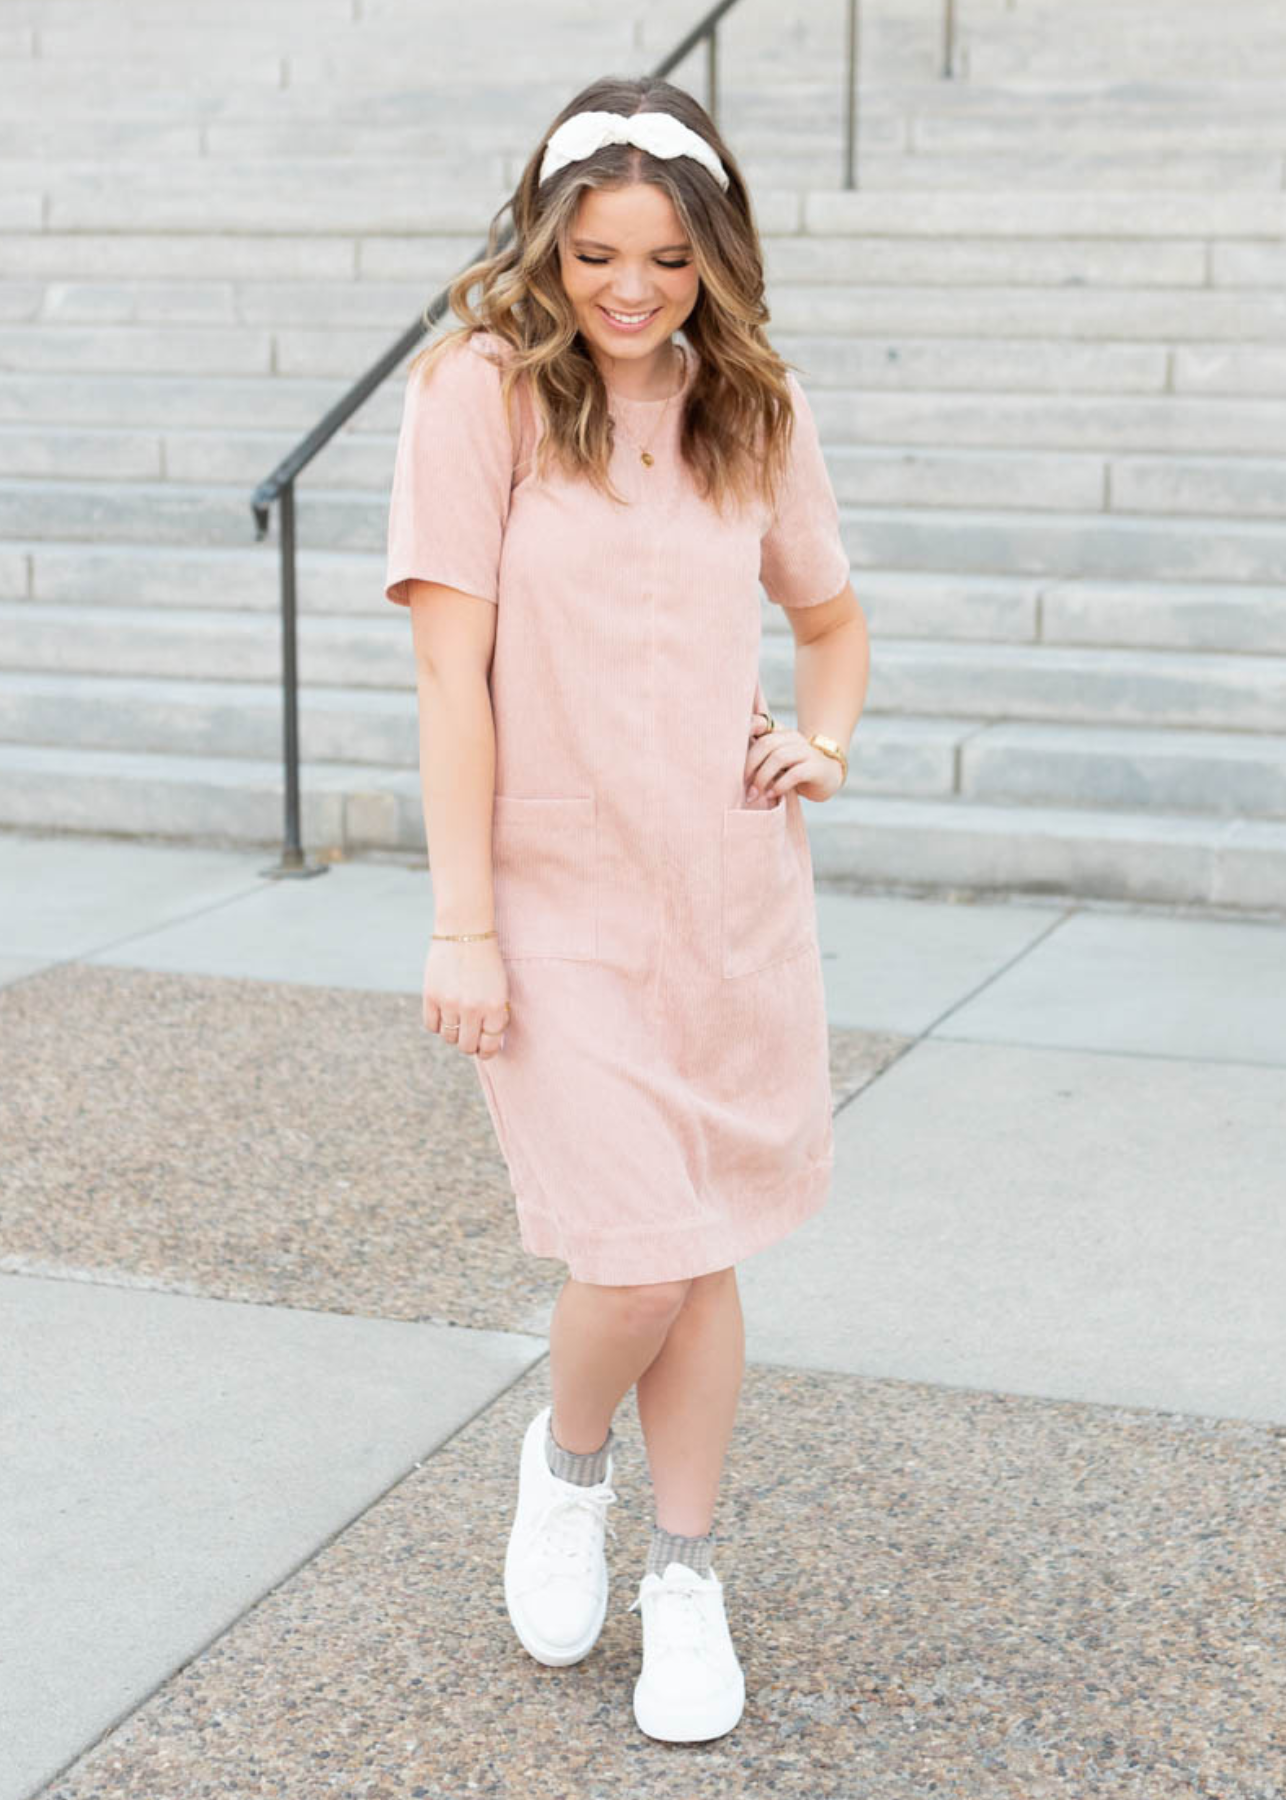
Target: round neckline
{"points": [[689, 363]]}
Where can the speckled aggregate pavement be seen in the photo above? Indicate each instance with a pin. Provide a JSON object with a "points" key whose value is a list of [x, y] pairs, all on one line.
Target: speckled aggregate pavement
{"points": [[935, 1591], [267, 1141]]}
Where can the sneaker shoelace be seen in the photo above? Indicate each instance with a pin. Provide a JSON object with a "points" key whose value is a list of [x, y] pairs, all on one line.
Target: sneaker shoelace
{"points": [[680, 1621], [567, 1533]]}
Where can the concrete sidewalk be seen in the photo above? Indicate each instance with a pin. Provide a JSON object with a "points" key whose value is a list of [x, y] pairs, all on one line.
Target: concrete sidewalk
{"points": [[1004, 1510]]}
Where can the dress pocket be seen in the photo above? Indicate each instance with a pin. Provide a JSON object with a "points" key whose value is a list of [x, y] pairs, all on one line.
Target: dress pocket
{"points": [[767, 905], [544, 874]]}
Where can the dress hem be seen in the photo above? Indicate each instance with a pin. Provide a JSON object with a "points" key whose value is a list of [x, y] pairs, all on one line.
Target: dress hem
{"points": [[629, 1260]]}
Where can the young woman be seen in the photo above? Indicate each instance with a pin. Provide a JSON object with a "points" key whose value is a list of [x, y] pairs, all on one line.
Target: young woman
{"points": [[624, 940]]}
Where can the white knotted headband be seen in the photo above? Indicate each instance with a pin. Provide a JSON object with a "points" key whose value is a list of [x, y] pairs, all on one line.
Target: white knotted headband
{"points": [[659, 133]]}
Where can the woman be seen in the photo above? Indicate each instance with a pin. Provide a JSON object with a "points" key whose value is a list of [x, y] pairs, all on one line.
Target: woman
{"points": [[625, 929]]}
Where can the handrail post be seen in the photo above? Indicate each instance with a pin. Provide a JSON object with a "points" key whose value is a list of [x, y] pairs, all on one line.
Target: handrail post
{"points": [[293, 861], [850, 96], [712, 73], [948, 39]]}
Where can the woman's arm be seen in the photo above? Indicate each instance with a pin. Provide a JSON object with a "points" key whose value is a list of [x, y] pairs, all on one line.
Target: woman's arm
{"points": [[832, 665], [832, 669], [454, 636]]}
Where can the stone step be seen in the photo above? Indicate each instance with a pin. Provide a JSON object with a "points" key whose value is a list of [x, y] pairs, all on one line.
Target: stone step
{"points": [[1067, 684], [884, 159], [1018, 214], [1160, 426], [897, 603], [1000, 120], [342, 196], [1195, 425], [967, 846], [368, 651], [1247, 171], [1237, 774], [957, 117], [1101, 547], [963, 539], [267, 339], [898, 475], [341, 724], [844, 287], [1205, 394], [856, 839], [195, 718], [1225, 487], [206, 799], [1155, 52], [904, 365], [970, 680], [1231, 773]]}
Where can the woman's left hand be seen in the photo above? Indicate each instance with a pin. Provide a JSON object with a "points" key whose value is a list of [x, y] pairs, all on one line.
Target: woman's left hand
{"points": [[783, 758]]}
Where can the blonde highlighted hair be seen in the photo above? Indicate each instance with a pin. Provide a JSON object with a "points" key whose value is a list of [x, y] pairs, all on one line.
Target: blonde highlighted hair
{"points": [[738, 415]]}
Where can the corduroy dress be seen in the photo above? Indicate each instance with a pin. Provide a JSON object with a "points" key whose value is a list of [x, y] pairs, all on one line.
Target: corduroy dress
{"points": [[663, 1101]]}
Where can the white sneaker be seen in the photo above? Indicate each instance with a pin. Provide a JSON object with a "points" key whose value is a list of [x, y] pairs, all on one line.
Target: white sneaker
{"points": [[556, 1565], [692, 1686]]}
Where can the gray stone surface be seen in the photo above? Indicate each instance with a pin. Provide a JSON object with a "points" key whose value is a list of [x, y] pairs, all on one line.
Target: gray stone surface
{"points": [[60, 897], [1213, 990], [369, 1181], [169, 1459], [970, 1596], [900, 965], [361, 925], [1089, 1227], [1041, 1272]]}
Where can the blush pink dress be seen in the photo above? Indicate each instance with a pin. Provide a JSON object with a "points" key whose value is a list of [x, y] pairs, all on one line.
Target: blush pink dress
{"points": [[663, 1100]]}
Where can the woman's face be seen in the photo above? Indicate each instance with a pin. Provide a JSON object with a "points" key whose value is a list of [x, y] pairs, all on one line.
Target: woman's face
{"points": [[628, 253]]}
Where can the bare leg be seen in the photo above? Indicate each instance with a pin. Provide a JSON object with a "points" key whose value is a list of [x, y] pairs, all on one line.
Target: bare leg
{"points": [[687, 1400], [600, 1341]]}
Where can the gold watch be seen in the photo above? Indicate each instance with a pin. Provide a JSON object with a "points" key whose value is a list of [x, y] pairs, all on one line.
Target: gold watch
{"points": [[829, 747]]}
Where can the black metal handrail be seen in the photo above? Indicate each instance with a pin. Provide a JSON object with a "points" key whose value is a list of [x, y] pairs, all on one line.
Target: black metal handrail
{"points": [[280, 485]]}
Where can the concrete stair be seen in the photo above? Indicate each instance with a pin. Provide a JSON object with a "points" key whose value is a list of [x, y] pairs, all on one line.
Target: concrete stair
{"points": [[1045, 343]]}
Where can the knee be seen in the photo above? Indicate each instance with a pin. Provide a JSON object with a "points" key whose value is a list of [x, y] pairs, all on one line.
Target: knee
{"points": [[656, 1304]]}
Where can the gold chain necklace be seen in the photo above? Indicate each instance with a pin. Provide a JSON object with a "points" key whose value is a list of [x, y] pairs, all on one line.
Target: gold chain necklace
{"points": [[645, 452]]}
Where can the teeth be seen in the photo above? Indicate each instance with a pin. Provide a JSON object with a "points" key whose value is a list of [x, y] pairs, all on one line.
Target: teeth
{"points": [[627, 318]]}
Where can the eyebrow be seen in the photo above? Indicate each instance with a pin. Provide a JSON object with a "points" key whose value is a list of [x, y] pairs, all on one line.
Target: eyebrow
{"points": [[596, 244]]}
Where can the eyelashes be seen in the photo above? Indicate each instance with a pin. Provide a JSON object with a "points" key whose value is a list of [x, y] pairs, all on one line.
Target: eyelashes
{"points": [[603, 259]]}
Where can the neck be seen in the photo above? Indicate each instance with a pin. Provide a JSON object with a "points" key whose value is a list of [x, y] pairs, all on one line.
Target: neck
{"points": [[656, 379]]}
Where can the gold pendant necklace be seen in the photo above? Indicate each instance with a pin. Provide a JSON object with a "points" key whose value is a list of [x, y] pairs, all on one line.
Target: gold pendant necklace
{"points": [[645, 453]]}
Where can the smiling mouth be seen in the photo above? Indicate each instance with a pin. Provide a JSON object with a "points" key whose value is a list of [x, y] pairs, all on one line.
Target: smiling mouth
{"points": [[629, 318]]}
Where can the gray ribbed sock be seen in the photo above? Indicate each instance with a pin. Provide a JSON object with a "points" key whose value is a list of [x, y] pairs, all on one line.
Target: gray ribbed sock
{"points": [[586, 1467], [666, 1548]]}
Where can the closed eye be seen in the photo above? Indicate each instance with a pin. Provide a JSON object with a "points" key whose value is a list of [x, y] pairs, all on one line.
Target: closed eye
{"points": [[602, 259]]}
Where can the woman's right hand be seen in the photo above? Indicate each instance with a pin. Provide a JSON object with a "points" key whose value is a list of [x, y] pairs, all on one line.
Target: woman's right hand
{"points": [[467, 986]]}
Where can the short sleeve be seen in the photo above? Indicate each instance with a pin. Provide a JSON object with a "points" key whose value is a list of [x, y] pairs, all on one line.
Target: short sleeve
{"points": [[452, 477], [802, 559]]}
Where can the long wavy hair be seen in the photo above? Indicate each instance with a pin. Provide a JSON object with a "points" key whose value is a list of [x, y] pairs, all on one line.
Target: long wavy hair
{"points": [[738, 415]]}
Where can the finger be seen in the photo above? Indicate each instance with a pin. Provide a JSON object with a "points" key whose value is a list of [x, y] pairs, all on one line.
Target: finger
{"points": [[432, 1015], [765, 765], [769, 775]]}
